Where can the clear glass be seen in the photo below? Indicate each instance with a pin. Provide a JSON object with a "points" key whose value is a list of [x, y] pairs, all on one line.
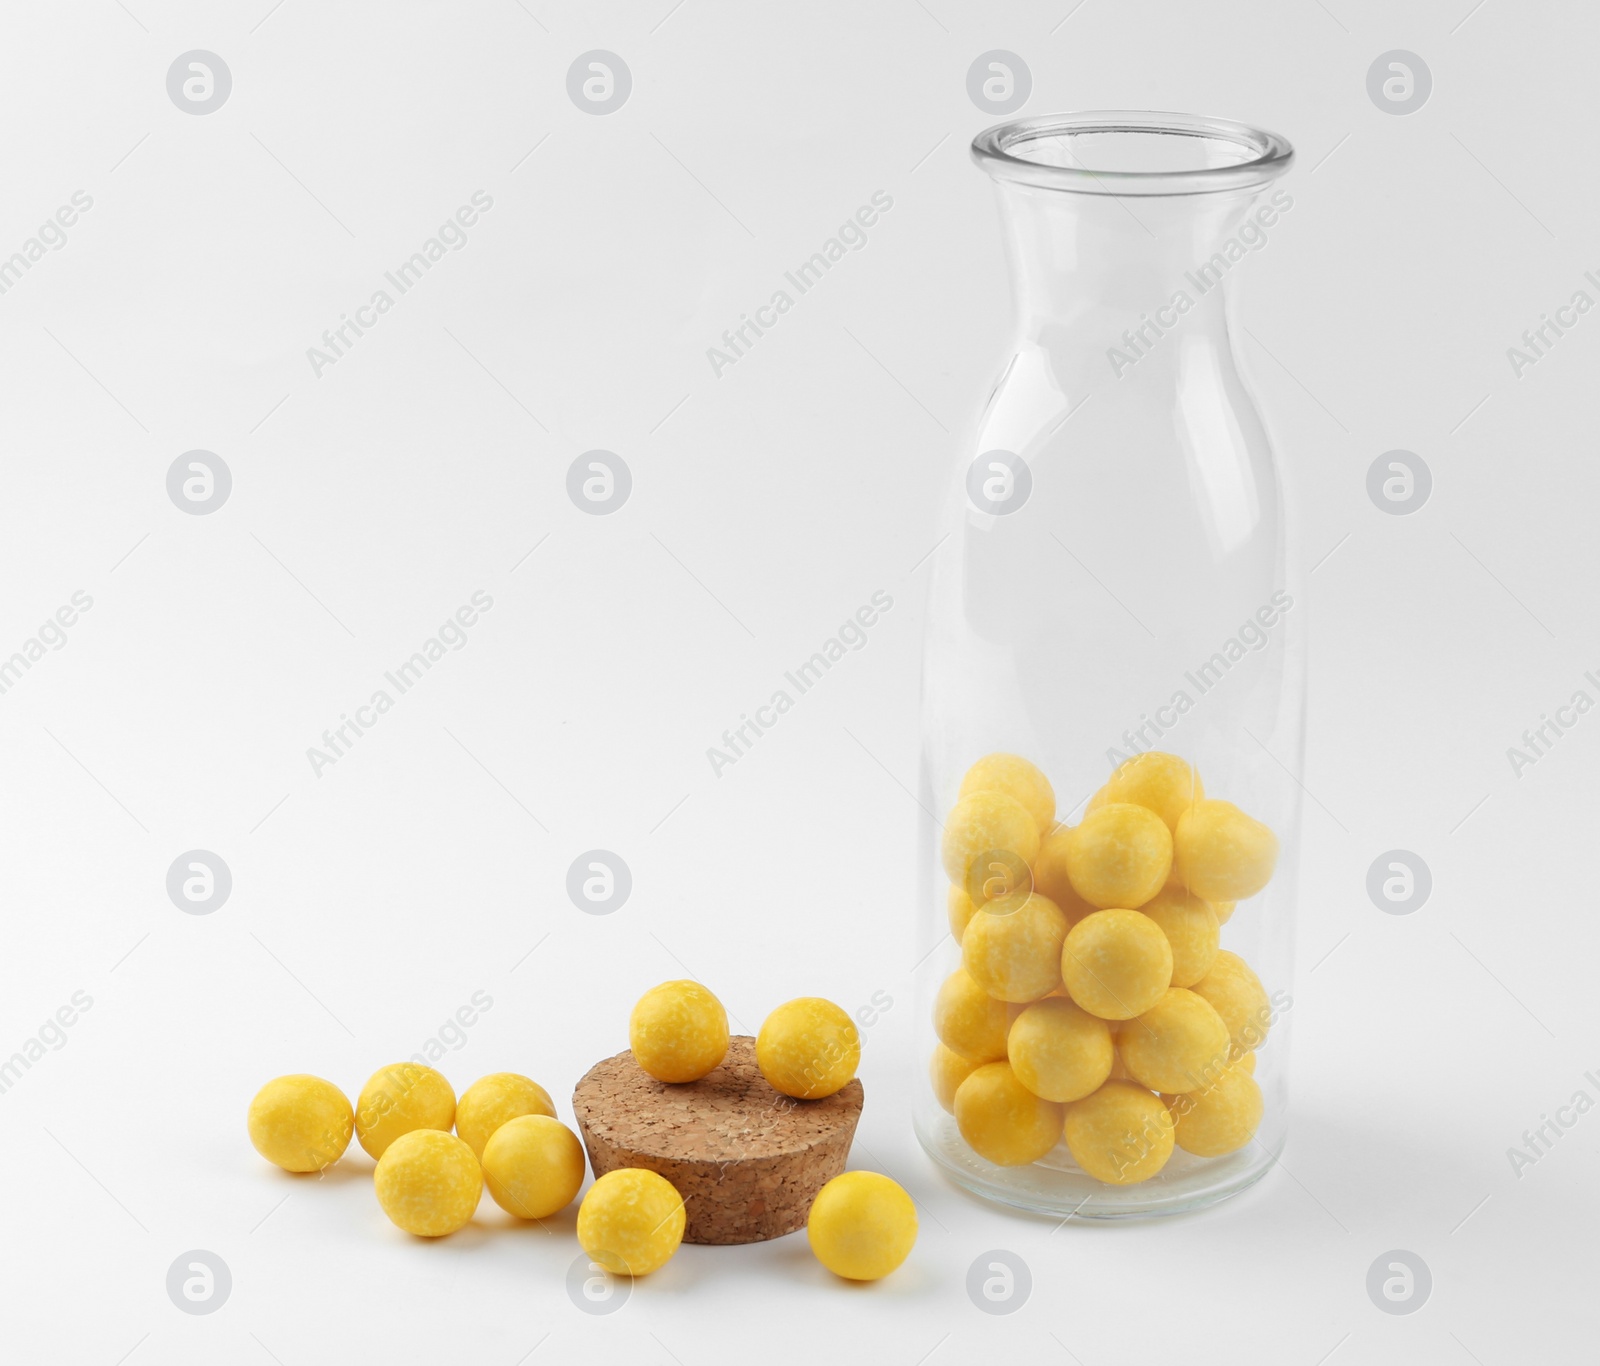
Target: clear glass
{"points": [[1117, 577]]}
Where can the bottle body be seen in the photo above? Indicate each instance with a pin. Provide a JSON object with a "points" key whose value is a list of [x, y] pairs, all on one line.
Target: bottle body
{"points": [[1116, 606]]}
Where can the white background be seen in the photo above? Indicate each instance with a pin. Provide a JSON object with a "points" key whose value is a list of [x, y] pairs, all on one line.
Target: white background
{"points": [[768, 504]]}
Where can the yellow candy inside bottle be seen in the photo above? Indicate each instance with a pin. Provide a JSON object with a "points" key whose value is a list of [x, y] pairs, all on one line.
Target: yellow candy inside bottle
{"points": [[984, 829], [1004, 1121], [1163, 783], [968, 1020], [1191, 928], [1012, 947], [1121, 1134], [1018, 779], [1119, 856], [1095, 1003], [1222, 854], [1116, 963], [1059, 1051], [1223, 1117], [1180, 1044]]}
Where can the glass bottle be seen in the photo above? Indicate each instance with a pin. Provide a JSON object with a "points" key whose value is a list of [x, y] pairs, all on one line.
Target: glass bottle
{"points": [[1116, 582]]}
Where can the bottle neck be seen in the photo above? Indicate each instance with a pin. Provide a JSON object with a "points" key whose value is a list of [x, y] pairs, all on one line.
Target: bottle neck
{"points": [[1100, 272]]}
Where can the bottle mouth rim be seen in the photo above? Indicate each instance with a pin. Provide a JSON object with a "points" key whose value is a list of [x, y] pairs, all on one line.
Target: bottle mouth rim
{"points": [[1002, 151]]}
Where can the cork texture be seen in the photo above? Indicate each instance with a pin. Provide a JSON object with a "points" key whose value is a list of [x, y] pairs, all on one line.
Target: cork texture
{"points": [[747, 1160]]}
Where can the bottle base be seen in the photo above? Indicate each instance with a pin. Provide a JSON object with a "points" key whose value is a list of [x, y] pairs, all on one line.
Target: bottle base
{"points": [[1056, 1185]]}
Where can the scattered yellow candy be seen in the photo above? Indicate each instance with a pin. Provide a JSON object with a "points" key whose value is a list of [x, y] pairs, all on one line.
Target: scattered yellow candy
{"points": [[533, 1166], [808, 1048], [1223, 854], [988, 839], [1119, 856], [1019, 780], [494, 1100], [1163, 783], [1116, 963], [861, 1226], [1121, 1134], [678, 1032], [631, 1221], [1222, 1118], [960, 909], [1180, 1044], [428, 1182], [1012, 947], [300, 1122], [1191, 928], [1050, 877], [398, 1099], [1236, 993], [1059, 1051], [947, 1069], [968, 1020], [1004, 1121]]}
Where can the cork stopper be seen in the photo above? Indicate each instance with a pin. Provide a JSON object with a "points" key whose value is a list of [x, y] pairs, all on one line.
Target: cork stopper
{"points": [[747, 1160]]}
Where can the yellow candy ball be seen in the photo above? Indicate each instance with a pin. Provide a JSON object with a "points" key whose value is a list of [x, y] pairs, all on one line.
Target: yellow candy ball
{"points": [[947, 1069], [1163, 783], [808, 1048], [968, 1020], [1012, 947], [533, 1166], [1247, 1061], [631, 1221], [1116, 964], [989, 838], [678, 1031], [1222, 1118], [861, 1226], [428, 1182], [1221, 853], [1120, 1135], [1051, 879], [960, 908], [1180, 1044], [398, 1099], [300, 1122], [1004, 1121], [1119, 856], [1191, 928], [1059, 1051], [494, 1100], [1017, 779], [1223, 910], [1236, 993]]}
